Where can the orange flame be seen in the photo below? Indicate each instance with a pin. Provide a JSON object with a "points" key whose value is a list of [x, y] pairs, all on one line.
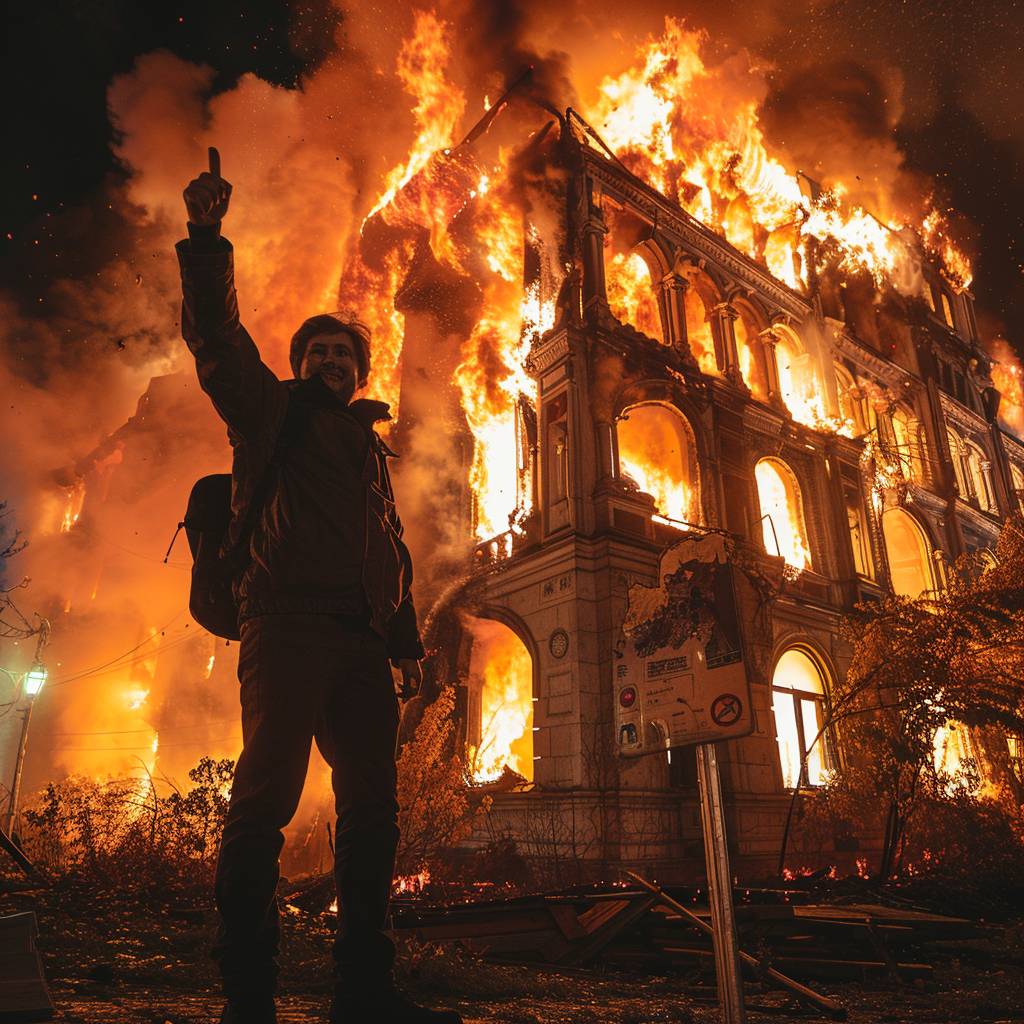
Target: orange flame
{"points": [[505, 670], [1008, 377], [670, 120]]}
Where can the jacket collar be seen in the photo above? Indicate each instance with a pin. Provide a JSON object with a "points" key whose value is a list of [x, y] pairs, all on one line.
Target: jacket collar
{"points": [[365, 411]]}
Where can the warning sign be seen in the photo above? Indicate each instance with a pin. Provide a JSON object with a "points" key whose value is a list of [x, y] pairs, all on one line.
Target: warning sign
{"points": [[726, 709], [679, 674]]}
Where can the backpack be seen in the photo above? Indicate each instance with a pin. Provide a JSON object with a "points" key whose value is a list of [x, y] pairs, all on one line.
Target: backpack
{"points": [[211, 599]]}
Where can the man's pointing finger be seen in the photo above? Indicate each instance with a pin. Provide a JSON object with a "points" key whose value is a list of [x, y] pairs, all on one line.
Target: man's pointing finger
{"points": [[214, 161]]}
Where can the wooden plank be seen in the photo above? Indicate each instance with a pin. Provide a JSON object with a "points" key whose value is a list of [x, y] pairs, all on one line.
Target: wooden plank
{"points": [[634, 909], [568, 923], [816, 967], [594, 917]]}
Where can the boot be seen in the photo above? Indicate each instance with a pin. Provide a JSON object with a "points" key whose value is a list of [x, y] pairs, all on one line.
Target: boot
{"points": [[386, 1003], [249, 1011]]}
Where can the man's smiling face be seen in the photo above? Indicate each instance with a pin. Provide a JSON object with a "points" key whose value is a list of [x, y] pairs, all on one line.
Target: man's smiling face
{"points": [[333, 357]]}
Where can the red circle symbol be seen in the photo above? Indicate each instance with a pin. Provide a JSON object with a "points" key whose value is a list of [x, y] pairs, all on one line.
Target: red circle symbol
{"points": [[627, 697], [726, 709]]}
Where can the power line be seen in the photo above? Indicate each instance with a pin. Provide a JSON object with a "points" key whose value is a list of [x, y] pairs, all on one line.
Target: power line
{"points": [[118, 663], [129, 750], [131, 732]]}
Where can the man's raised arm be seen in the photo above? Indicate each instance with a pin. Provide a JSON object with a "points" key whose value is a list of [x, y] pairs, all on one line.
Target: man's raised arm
{"points": [[246, 394]]}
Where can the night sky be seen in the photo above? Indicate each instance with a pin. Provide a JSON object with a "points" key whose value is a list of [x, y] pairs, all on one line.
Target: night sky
{"points": [[953, 69]]}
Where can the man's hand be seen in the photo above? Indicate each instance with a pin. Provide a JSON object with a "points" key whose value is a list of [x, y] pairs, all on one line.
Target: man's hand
{"points": [[412, 677], [207, 197]]}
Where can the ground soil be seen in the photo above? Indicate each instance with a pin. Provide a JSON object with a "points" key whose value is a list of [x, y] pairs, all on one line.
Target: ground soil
{"points": [[116, 957]]}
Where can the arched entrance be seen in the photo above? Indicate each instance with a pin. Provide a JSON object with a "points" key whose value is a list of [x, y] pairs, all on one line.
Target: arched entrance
{"points": [[500, 701]]}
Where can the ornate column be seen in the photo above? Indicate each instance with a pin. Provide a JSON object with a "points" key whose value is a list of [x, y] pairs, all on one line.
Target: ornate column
{"points": [[990, 492], [769, 340], [673, 298], [723, 316], [607, 450], [595, 296]]}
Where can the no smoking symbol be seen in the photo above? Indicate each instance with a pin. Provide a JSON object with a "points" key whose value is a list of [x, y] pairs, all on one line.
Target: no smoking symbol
{"points": [[726, 709]]}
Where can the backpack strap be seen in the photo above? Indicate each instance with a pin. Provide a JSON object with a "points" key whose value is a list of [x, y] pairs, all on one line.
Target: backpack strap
{"points": [[296, 416]]}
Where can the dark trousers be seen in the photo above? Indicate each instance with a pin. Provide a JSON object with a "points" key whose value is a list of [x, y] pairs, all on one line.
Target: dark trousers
{"points": [[304, 677]]}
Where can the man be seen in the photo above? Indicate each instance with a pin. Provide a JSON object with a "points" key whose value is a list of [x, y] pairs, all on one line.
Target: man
{"points": [[324, 604]]}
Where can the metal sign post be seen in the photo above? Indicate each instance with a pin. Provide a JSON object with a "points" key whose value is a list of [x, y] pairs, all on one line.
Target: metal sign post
{"points": [[723, 918], [681, 680]]}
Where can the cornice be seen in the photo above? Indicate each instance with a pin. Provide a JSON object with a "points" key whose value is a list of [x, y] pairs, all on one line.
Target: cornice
{"points": [[921, 497], [866, 360], [758, 419], [979, 521], [961, 416], [695, 235], [547, 351]]}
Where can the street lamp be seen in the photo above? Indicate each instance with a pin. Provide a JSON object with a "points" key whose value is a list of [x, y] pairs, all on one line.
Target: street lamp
{"points": [[32, 683], [35, 680]]}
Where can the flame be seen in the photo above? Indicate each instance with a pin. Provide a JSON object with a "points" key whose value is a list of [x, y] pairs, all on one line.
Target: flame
{"points": [[136, 697], [492, 377], [417, 191], [405, 885], [782, 526], [670, 120], [1008, 377], [654, 454], [73, 506], [631, 295], [421, 62], [504, 669]]}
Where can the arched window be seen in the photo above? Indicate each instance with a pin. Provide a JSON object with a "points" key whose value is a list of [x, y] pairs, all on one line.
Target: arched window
{"points": [[632, 295], [698, 330], [947, 310], [956, 456], [974, 465], [798, 386], [798, 706], [905, 439], [847, 401], [911, 566], [782, 513], [658, 453], [859, 541], [750, 351], [500, 701]]}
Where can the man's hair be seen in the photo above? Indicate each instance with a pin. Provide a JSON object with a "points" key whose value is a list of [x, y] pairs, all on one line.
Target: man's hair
{"points": [[332, 323]]}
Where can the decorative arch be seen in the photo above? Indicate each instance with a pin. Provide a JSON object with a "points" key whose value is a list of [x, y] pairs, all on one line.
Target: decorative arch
{"points": [[801, 683], [783, 528], [702, 296], [910, 554], [798, 386], [632, 285], [748, 326], [975, 461], [906, 432], [657, 450]]}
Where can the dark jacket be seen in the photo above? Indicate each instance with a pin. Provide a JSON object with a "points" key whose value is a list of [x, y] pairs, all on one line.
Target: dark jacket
{"points": [[329, 537]]}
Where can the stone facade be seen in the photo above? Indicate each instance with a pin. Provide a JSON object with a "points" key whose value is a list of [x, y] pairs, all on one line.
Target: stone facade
{"points": [[881, 366]]}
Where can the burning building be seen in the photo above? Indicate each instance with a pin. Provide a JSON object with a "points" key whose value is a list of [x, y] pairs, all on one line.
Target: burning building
{"points": [[598, 334]]}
